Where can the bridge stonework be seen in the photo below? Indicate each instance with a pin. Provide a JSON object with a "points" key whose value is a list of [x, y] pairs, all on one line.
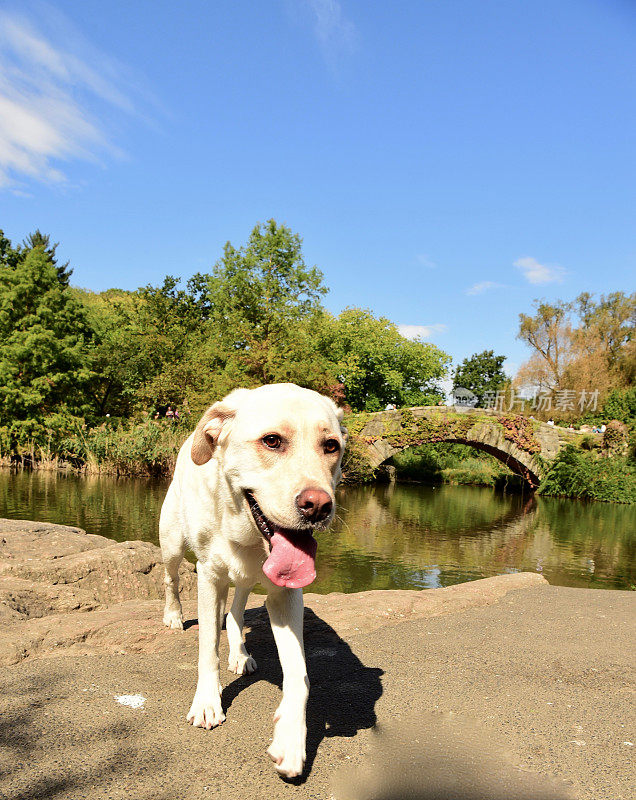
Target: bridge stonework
{"points": [[526, 446]]}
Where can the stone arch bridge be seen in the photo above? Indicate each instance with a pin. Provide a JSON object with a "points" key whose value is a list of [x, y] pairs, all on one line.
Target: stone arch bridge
{"points": [[525, 446]]}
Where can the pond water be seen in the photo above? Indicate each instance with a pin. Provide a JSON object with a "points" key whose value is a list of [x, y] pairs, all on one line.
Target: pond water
{"points": [[385, 536]]}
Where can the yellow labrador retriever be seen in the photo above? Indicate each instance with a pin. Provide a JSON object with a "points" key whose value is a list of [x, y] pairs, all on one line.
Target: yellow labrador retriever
{"points": [[251, 484]]}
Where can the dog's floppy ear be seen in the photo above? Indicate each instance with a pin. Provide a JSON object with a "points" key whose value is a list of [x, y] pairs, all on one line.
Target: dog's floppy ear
{"points": [[207, 432], [339, 416]]}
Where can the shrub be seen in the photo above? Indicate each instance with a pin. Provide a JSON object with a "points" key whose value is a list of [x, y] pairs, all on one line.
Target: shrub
{"points": [[355, 464], [615, 437], [586, 475]]}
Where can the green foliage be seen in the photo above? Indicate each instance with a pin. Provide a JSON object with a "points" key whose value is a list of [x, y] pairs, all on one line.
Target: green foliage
{"points": [[481, 373], [588, 442], [120, 359], [263, 303], [259, 289], [448, 463], [43, 241], [9, 255], [616, 437], [145, 447], [257, 318], [586, 475], [620, 404], [377, 365], [44, 340]]}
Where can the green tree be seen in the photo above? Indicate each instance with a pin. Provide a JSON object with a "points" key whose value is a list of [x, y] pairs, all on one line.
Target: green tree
{"points": [[481, 373], [143, 345], [9, 255], [43, 240], [258, 298], [621, 404], [377, 365], [43, 345], [117, 358]]}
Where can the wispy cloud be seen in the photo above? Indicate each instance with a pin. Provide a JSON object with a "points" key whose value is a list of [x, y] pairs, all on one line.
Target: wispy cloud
{"points": [[425, 261], [421, 331], [537, 273], [53, 101], [484, 286], [336, 35]]}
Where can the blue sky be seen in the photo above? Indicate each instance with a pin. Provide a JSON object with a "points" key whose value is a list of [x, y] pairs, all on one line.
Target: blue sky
{"points": [[445, 161]]}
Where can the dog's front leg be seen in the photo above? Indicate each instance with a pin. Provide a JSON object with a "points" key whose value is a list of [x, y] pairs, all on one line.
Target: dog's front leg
{"points": [[287, 750], [206, 710]]}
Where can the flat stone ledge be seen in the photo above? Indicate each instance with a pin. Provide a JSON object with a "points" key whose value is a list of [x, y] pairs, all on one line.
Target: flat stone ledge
{"points": [[46, 568], [95, 595], [368, 611]]}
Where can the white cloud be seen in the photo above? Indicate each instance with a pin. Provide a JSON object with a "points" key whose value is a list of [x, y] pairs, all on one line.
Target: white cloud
{"points": [[46, 92], [484, 286], [537, 273], [336, 34], [421, 331]]}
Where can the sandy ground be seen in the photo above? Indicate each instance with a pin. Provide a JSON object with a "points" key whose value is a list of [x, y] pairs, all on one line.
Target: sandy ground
{"points": [[544, 673]]}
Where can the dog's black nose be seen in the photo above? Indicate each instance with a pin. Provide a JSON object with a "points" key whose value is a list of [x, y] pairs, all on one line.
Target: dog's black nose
{"points": [[314, 504]]}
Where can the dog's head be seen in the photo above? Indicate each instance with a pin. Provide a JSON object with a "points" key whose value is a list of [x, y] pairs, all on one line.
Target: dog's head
{"points": [[280, 448]]}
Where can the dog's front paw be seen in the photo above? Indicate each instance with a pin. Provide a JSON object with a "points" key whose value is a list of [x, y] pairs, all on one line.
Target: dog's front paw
{"points": [[241, 663], [287, 749], [206, 710], [173, 619]]}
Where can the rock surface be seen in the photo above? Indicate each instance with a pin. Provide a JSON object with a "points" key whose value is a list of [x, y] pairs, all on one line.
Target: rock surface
{"points": [[92, 566], [545, 671], [62, 588]]}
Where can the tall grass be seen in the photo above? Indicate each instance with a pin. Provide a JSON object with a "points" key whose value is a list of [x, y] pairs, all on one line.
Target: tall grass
{"points": [[149, 447], [118, 447]]}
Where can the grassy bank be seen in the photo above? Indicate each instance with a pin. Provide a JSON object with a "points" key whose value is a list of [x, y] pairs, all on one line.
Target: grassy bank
{"points": [[129, 448]]}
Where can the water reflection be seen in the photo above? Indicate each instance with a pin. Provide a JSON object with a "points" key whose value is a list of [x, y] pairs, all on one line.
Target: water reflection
{"points": [[385, 537]]}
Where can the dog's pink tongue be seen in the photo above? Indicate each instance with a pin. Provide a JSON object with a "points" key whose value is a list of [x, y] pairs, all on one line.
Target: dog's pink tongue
{"points": [[291, 562]]}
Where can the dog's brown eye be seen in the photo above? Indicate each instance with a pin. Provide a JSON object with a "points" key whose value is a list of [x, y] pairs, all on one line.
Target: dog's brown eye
{"points": [[272, 440], [332, 446]]}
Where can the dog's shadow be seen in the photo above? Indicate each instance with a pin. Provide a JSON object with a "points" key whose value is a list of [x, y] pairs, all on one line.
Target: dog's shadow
{"points": [[343, 691]]}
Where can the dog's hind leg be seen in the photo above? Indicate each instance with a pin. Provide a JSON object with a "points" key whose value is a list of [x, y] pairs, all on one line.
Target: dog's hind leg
{"points": [[239, 661], [172, 548]]}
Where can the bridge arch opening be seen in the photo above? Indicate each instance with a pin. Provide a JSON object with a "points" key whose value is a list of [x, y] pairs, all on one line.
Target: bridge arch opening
{"points": [[522, 444], [426, 462]]}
